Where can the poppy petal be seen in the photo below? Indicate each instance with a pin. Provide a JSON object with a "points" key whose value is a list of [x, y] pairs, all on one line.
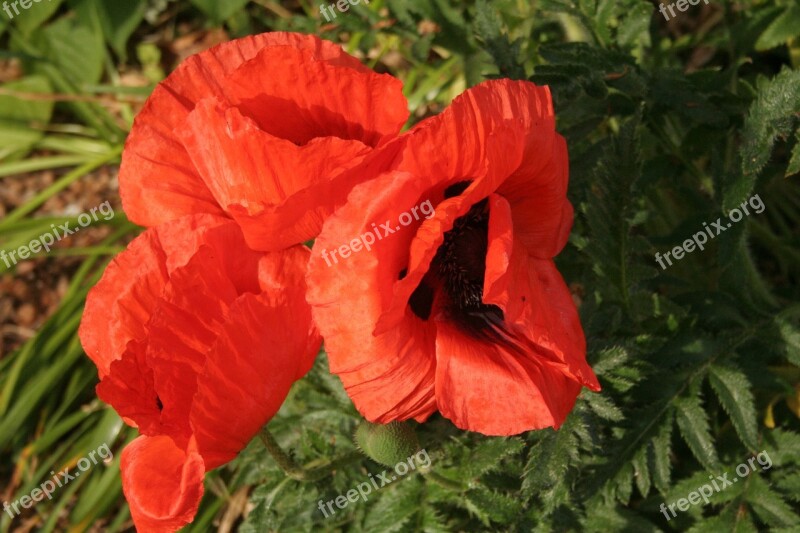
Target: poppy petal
{"points": [[479, 137], [119, 306], [538, 306], [282, 278], [421, 251], [248, 374], [242, 164], [388, 376], [503, 130], [397, 382], [555, 324], [538, 196], [192, 309], [162, 483], [500, 248], [278, 191], [129, 388], [525, 394], [302, 215], [158, 181], [182, 330], [301, 104]]}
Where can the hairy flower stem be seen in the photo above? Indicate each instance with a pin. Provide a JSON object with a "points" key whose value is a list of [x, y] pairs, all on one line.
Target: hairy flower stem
{"points": [[295, 471]]}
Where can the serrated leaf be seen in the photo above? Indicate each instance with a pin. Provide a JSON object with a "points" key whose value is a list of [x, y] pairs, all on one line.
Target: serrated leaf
{"points": [[789, 485], [693, 423], [489, 29], [604, 518], [641, 472], [660, 447], [548, 463], [794, 162], [488, 455], [397, 505], [430, 521], [730, 520], [733, 390], [260, 513], [608, 215], [769, 505], [623, 483], [790, 333], [490, 506], [610, 359], [769, 117], [719, 494], [604, 407], [784, 447], [634, 29]]}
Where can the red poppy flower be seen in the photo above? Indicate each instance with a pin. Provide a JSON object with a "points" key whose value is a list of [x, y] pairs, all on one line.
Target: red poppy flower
{"points": [[463, 312], [272, 130], [197, 340]]}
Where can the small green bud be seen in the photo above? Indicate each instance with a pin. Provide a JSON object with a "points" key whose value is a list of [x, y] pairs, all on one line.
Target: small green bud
{"points": [[386, 444]]}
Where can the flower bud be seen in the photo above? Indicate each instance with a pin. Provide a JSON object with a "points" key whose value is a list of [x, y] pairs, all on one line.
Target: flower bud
{"points": [[386, 444]]}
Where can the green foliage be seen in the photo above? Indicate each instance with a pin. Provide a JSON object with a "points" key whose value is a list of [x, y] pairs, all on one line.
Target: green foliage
{"points": [[19, 124], [118, 21], [489, 28], [733, 389], [218, 12], [785, 27], [773, 115]]}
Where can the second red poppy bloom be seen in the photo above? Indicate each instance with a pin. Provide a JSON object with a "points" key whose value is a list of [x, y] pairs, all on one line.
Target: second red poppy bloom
{"points": [[197, 340], [464, 312]]}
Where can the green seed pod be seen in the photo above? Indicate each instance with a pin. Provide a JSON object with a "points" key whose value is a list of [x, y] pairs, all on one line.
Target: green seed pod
{"points": [[386, 444]]}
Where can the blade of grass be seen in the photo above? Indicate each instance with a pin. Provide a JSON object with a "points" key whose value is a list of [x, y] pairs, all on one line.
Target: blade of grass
{"points": [[58, 186], [32, 395], [40, 163]]}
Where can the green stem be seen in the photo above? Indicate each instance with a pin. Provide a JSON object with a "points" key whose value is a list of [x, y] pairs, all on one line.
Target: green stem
{"points": [[295, 471]]}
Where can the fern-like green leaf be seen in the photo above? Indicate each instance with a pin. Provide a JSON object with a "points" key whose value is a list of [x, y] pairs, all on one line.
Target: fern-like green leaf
{"points": [[693, 423], [794, 162], [769, 505], [772, 115], [545, 472], [490, 506], [399, 502], [488, 455], [641, 471], [660, 447], [733, 389], [489, 29]]}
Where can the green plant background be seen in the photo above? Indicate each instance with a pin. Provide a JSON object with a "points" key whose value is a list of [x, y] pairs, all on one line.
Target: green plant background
{"points": [[669, 125]]}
